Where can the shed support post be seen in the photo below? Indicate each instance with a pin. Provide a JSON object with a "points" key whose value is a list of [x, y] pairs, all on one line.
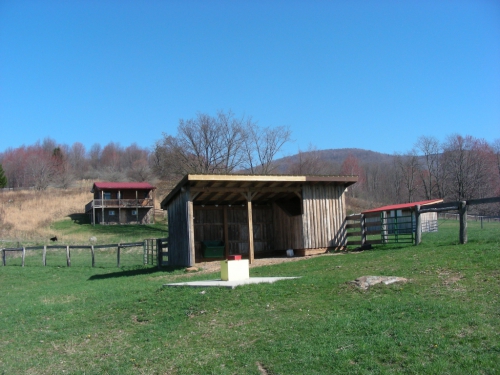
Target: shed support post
{"points": [[190, 223], [418, 229], [226, 233], [250, 233], [463, 222]]}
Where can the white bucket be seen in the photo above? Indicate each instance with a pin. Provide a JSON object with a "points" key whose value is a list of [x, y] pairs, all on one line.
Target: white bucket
{"points": [[289, 253]]}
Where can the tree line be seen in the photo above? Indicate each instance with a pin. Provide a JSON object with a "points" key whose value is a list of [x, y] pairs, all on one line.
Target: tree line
{"points": [[220, 144], [458, 168]]}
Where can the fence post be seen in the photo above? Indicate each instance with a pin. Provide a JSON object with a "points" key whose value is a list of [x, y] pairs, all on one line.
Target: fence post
{"points": [[68, 258], [463, 222], [383, 227], [418, 228], [145, 252], [3, 257], [362, 222], [118, 257], [93, 255], [24, 255], [44, 255]]}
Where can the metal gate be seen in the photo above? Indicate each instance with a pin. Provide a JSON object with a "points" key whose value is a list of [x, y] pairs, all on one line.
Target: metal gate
{"points": [[397, 229]]}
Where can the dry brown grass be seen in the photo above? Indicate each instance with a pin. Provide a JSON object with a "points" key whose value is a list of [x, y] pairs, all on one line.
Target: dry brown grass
{"points": [[27, 214]]}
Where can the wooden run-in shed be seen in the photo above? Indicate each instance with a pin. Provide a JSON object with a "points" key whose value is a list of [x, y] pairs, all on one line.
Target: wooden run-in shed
{"points": [[254, 215]]}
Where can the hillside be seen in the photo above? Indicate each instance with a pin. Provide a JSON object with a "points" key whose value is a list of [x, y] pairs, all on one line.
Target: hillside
{"points": [[337, 156]]}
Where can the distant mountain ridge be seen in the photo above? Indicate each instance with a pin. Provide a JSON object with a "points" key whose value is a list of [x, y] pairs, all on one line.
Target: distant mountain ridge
{"points": [[337, 156]]}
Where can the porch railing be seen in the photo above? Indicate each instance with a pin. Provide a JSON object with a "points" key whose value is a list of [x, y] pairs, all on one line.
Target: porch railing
{"points": [[119, 203]]}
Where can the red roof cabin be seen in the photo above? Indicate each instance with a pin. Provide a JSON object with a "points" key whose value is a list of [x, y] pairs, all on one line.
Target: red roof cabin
{"points": [[121, 203]]}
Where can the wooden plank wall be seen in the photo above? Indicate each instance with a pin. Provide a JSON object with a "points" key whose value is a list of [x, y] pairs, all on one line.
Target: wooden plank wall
{"points": [[178, 251], [323, 217], [287, 230]]}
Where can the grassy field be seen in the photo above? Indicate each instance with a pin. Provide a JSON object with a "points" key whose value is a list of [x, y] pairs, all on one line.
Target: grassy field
{"points": [[30, 218], [445, 320]]}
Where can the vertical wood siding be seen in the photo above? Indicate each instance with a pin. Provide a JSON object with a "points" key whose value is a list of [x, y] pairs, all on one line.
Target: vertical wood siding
{"points": [[178, 249], [323, 217]]}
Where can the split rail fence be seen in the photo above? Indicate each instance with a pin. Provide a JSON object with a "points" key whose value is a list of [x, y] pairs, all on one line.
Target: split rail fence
{"points": [[154, 251]]}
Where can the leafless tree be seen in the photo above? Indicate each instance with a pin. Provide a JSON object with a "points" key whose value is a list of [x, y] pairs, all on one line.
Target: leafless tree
{"points": [[218, 144], [262, 145], [430, 172], [408, 167], [308, 162], [469, 161]]}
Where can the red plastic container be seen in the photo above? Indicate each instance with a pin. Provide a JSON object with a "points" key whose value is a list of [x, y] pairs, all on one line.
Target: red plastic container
{"points": [[234, 257]]}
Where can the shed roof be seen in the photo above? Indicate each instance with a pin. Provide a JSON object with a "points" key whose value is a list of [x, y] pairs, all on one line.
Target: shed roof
{"points": [[402, 206], [122, 186], [229, 189]]}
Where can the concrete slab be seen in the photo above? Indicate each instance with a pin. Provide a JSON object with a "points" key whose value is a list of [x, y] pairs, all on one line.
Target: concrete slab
{"points": [[231, 283]]}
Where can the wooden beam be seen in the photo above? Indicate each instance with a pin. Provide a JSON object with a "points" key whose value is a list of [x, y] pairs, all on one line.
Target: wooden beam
{"points": [[246, 189]]}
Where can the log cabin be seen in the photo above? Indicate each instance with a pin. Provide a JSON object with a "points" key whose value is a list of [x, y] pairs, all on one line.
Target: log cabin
{"points": [[121, 203], [213, 216]]}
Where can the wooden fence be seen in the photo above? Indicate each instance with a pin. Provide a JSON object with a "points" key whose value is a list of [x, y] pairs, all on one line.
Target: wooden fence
{"points": [[151, 255]]}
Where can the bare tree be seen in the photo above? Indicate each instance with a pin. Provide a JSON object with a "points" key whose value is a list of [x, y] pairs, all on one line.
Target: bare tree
{"points": [[408, 167], [308, 162], [469, 161], [430, 165], [262, 145], [218, 144]]}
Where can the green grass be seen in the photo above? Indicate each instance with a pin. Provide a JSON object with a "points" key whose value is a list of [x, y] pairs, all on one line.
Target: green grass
{"points": [[445, 320]]}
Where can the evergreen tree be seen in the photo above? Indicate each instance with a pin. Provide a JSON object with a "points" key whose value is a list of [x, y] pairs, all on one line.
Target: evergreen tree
{"points": [[3, 179]]}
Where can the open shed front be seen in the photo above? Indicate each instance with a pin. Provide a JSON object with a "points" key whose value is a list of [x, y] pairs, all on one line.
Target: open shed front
{"points": [[213, 216]]}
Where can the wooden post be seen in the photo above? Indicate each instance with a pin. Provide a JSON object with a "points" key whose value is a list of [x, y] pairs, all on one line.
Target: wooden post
{"points": [[119, 208], [362, 223], [418, 229], [383, 226], [226, 233], [136, 207], [190, 223], [3, 257], [93, 255], [24, 255], [463, 222], [68, 259], [102, 207], [118, 257], [250, 229], [93, 212], [44, 255]]}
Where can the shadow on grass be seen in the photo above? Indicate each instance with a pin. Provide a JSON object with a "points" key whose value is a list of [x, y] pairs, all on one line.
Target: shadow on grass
{"points": [[135, 272]]}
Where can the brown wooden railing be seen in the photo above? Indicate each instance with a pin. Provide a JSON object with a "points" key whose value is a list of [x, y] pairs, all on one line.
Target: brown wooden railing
{"points": [[115, 203]]}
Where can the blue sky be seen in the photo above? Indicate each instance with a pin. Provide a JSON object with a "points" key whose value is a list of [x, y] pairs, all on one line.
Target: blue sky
{"points": [[364, 74]]}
